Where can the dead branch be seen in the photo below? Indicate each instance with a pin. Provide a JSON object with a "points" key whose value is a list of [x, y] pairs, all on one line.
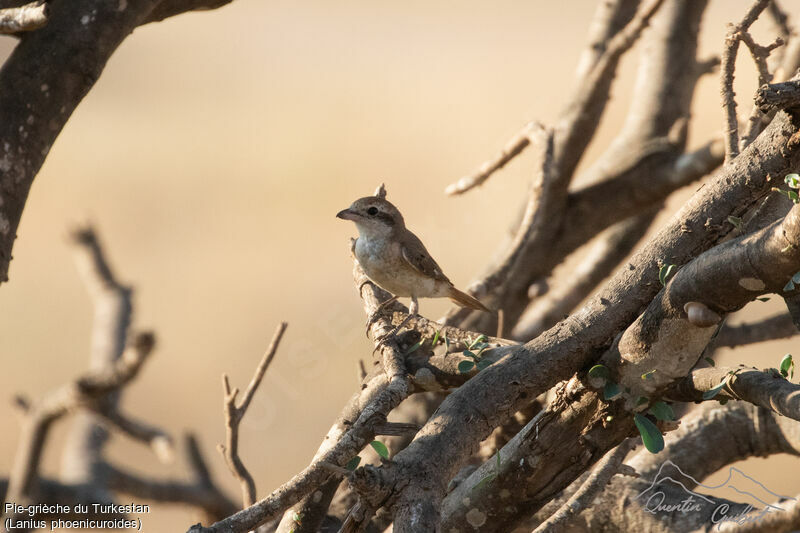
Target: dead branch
{"points": [[234, 414], [729, 51], [610, 248], [25, 18], [46, 77], [514, 147], [597, 481], [772, 328], [86, 391]]}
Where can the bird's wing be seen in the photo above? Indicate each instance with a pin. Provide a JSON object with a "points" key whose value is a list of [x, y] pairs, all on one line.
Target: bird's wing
{"points": [[417, 256]]}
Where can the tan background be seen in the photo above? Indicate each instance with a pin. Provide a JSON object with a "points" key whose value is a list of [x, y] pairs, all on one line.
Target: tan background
{"points": [[213, 154]]}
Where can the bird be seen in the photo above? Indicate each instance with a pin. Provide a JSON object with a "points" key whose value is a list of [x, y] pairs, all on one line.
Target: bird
{"points": [[396, 260]]}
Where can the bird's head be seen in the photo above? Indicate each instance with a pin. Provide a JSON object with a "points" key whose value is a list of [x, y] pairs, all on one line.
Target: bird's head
{"points": [[373, 216]]}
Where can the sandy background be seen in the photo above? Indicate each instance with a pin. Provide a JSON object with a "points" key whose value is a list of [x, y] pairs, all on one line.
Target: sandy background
{"points": [[213, 154]]}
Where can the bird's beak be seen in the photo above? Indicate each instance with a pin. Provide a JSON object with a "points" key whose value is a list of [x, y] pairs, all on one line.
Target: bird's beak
{"points": [[347, 214]]}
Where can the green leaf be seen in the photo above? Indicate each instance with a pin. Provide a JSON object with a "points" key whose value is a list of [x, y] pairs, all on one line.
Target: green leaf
{"points": [[380, 448], [662, 411], [599, 371], [648, 375], [415, 347], [481, 338], [497, 461], [611, 391], [436, 338], [469, 354], [484, 481], [651, 436], [353, 463], [446, 343], [793, 196], [787, 366], [789, 286], [736, 221], [465, 366], [664, 273], [762, 299], [483, 363], [710, 361], [796, 278], [707, 395], [792, 180]]}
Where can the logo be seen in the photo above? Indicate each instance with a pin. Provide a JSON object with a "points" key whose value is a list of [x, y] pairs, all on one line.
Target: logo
{"points": [[669, 493]]}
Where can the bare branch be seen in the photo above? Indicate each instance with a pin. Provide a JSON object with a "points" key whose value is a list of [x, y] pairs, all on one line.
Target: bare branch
{"points": [[514, 147], [729, 50], [765, 388], [772, 328], [85, 391], [597, 481], [26, 18]]}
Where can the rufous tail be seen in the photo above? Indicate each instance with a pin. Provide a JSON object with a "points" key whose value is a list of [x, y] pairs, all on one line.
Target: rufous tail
{"points": [[465, 300]]}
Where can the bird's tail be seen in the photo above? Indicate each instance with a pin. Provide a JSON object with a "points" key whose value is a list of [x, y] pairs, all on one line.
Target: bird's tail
{"points": [[465, 300]]}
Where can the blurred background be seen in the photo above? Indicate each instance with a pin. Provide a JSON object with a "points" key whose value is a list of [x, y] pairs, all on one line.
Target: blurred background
{"points": [[212, 156]]}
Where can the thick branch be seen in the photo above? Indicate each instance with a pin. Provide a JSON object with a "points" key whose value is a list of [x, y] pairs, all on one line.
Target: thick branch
{"points": [[26, 18]]}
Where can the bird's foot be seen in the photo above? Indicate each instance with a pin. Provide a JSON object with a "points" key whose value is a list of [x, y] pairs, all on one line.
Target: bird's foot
{"points": [[377, 313], [393, 333]]}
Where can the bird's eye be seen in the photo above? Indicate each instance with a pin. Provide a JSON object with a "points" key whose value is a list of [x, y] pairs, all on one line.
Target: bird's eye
{"points": [[372, 211]]}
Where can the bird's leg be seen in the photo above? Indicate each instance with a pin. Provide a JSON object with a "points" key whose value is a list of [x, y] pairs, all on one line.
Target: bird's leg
{"points": [[412, 313], [375, 314]]}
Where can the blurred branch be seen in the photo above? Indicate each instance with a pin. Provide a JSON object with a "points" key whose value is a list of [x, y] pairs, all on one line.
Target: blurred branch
{"points": [[234, 415], [87, 391], [772, 328]]}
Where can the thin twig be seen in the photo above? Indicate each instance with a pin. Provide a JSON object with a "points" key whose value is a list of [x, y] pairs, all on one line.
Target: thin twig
{"points": [[234, 414], [729, 51]]}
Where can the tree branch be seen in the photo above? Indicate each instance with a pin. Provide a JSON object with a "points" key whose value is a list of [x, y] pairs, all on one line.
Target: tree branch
{"points": [[25, 18], [234, 415]]}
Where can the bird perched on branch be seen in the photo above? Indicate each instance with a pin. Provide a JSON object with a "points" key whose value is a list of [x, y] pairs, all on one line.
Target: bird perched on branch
{"points": [[395, 259]]}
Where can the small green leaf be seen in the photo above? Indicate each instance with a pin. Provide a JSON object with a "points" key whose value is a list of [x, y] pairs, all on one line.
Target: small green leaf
{"points": [[353, 463], [436, 338], [651, 436], [662, 411], [796, 278], [792, 180], [736, 221], [380, 448], [484, 481], [468, 353], [611, 391], [599, 371], [787, 366], [483, 363], [707, 395], [481, 338], [415, 347], [648, 375], [710, 361], [789, 286], [793, 196], [664, 273], [465, 366], [762, 299]]}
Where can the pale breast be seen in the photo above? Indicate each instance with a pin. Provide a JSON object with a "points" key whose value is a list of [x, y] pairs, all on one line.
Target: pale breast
{"points": [[383, 263]]}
